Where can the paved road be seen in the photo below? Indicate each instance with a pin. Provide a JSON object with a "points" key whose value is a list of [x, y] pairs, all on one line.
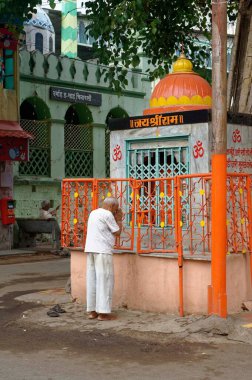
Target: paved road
{"points": [[28, 353]]}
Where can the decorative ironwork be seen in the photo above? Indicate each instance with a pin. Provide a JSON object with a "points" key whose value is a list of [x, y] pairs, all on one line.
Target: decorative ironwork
{"points": [[80, 197], [194, 213], [77, 203], [78, 150], [39, 152], [155, 218], [157, 162], [171, 214], [120, 189], [238, 221]]}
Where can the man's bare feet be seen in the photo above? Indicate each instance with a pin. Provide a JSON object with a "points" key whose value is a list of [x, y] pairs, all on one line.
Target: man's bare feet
{"points": [[106, 317], [92, 315]]}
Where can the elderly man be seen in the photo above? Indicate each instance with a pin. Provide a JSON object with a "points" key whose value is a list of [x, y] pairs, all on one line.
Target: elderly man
{"points": [[104, 224], [50, 214]]}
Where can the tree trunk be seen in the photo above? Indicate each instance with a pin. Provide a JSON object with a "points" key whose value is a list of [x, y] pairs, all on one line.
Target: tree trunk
{"points": [[240, 74]]}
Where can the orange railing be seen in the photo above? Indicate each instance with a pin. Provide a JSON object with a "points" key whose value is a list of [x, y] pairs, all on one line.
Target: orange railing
{"points": [[194, 213], [156, 215], [77, 203], [165, 212], [239, 213], [81, 196], [123, 190], [170, 215]]}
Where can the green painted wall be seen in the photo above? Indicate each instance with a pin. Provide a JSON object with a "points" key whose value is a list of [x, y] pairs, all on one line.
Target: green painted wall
{"points": [[29, 197], [99, 150], [57, 151], [37, 74]]}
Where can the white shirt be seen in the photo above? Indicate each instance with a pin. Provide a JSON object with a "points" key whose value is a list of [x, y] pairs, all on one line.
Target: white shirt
{"points": [[100, 229], [43, 214]]}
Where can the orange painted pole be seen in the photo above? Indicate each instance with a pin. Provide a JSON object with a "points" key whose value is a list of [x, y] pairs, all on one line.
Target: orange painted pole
{"points": [[219, 235], [178, 224], [218, 294]]}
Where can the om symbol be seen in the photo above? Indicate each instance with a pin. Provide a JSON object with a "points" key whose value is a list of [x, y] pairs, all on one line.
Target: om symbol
{"points": [[117, 156], [198, 150], [236, 136]]}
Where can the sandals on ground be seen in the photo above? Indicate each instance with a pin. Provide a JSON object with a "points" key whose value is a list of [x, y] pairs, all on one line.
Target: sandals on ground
{"points": [[55, 311]]}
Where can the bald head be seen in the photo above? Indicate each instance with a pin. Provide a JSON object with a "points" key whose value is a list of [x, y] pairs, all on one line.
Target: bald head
{"points": [[45, 205], [110, 204]]}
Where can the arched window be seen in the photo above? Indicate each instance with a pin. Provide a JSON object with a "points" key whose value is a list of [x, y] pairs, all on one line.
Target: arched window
{"points": [[82, 33], [39, 42], [78, 142], [35, 116], [50, 44]]}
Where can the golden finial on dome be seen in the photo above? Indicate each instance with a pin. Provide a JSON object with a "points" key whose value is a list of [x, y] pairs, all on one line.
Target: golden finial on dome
{"points": [[182, 65]]}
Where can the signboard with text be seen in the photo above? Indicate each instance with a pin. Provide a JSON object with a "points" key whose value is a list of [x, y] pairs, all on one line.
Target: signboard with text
{"points": [[75, 96], [239, 151], [160, 120]]}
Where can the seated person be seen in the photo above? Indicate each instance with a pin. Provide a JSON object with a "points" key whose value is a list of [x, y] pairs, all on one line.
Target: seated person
{"points": [[50, 214], [46, 213]]}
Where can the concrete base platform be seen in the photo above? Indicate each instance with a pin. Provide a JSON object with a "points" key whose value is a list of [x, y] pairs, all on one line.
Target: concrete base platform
{"points": [[151, 283]]}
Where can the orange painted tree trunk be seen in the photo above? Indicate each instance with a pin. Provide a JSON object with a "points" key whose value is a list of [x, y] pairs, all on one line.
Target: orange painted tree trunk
{"points": [[217, 291]]}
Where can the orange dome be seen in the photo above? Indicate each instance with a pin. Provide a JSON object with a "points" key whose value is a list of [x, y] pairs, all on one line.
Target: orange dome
{"points": [[183, 90]]}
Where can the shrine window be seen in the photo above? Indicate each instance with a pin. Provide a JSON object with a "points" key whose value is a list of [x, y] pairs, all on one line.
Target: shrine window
{"points": [[157, 158]]}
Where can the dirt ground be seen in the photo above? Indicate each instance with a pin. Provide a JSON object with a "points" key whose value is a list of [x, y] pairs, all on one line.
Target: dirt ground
{"points": [[28, 258], [33, 346]]}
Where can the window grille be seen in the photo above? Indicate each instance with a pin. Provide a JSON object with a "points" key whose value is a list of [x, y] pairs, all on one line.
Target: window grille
{"points": [[107, 152], [157, 162], [148, 160], [78, 150], [39, 151]]}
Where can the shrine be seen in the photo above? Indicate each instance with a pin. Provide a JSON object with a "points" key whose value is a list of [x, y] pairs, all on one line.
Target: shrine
{"points": [[173, 136], [160, 169]]}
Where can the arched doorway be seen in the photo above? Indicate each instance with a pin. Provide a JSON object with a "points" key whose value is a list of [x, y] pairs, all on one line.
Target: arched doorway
{"points": [[39, 43], [78, 141], [50, 44], [116, 112], [35, 119]]}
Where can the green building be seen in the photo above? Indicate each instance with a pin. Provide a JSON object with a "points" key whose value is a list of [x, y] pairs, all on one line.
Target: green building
{"points": [[65, 104]]}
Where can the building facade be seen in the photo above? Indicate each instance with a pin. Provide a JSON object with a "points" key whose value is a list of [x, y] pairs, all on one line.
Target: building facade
{"points": [[66, 104], [13, 140], [39, 32]]}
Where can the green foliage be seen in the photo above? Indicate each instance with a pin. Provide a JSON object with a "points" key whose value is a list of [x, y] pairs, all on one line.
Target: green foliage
{"points": [[14, 12], [156, 28]]}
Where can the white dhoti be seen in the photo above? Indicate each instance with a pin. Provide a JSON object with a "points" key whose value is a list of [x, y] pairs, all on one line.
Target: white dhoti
{"points": [[100, 282]]}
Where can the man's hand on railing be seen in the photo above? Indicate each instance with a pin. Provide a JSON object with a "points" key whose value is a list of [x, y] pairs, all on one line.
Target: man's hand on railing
{"points": [[118, 215]]}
